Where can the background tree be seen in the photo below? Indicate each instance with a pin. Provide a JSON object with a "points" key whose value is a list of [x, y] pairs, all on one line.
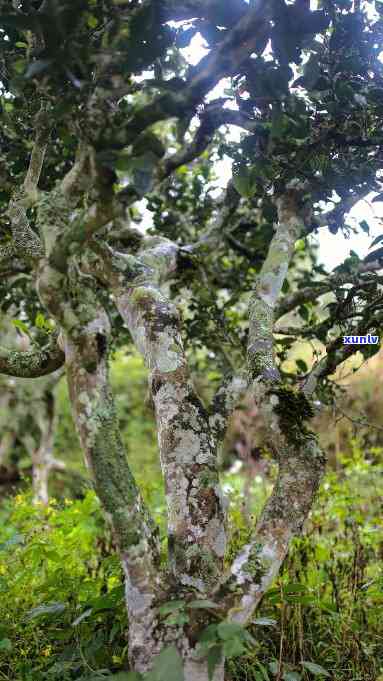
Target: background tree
{"points": [[307, 85]]}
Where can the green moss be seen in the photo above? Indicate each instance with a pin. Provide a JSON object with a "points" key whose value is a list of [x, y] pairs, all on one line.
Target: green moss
{"points": [[293, 409], [254, 564]]}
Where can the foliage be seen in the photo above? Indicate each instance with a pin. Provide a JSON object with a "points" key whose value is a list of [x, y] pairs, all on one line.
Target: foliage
{"points": [[61, 604]]}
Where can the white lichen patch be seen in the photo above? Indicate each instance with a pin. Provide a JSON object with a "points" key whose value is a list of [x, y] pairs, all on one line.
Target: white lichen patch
{"points": [[239, 563]]}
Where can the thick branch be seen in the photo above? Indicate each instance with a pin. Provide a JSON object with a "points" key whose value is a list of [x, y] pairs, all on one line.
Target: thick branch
{"points": [[86, 335], [284, 412], [188, 456], [227, 397], [264, 299], [253, 571]]}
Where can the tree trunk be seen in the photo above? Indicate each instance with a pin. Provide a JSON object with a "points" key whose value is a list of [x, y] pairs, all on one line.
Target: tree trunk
{"points": [[42, 456], [198, 671], [6, 444]]}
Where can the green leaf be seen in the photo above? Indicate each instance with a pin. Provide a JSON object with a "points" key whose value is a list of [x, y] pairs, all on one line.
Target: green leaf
{"points": [[108, 601], [280, 124], [377, 240], [171, 606], [125, 676], [146, 143], [92, 21], [295, 587], [6, 645], [315, 669], [365, 226], [274, 667], [213, 659], [143, 169], [300, 245], [243, 181], [263, 670], [233, 647], [300, 600], [21, 325], [301, 364], [13, 541], [82, 617], [179, 619], [123, 163], [204, 603], [228, 630], [43, 610], [265, 622], [291, 676], [168, 665], [209, 634]]}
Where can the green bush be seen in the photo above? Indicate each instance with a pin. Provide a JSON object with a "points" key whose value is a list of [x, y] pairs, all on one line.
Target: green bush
{"points": [[61, 594]]}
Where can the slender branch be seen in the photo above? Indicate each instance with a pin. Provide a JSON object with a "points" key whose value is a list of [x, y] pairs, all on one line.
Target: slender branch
{"points": [[336, 354], [86, 331], [43, 128], [335, 216], [79, 176], [221, 223], [26, 243], [333, 281], [213, 117]]}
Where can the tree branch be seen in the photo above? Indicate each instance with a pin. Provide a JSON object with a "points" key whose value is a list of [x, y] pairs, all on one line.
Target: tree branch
{"points": [[263, 302], [212, 118], [336, 354], [188, 455], [86, 332], [333, 281], [26, 244], [258, 563], [284, 410], [250, 34], [227, 397]]}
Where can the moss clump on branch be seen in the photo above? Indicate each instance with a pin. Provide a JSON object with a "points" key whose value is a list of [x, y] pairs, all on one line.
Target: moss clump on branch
{"points": [[293, 409]]}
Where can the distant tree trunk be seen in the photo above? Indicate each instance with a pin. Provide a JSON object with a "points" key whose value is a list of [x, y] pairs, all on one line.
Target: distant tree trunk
{"points": [[43, 461], [6, 444]]}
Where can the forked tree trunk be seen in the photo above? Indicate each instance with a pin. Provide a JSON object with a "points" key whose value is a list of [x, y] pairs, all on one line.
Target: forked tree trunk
{"points": [[189, 435]]}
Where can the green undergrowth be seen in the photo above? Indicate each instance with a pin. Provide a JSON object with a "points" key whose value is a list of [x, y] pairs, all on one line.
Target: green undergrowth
{"points": [[62, 614]]}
